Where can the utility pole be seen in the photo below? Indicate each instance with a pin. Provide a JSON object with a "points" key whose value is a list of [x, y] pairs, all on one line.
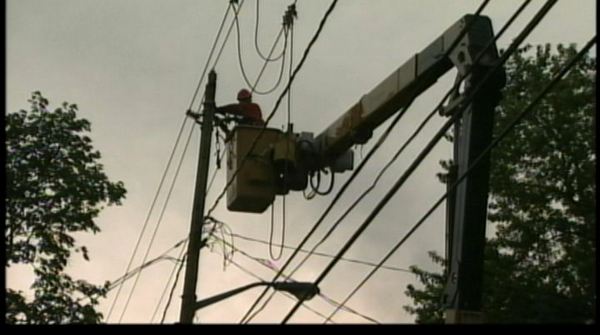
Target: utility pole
{"points": [[195, 243]]}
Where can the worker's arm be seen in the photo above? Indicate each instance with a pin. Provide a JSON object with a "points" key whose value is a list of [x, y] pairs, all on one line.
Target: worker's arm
{"points": [[231, 109]]}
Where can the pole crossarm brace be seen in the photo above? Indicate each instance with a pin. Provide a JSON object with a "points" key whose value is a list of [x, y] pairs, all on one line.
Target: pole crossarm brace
{"points": [[301, 290]]}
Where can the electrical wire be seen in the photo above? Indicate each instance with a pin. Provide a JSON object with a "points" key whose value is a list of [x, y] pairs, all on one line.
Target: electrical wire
{"points": [[240, 5], [266, 62], [485, 152], [181, 260], [256, 23], [355, 173], [162, 257], [286, 162], [273, 257], [350, 260], [210, 54], [532, 24], [316, 188]]}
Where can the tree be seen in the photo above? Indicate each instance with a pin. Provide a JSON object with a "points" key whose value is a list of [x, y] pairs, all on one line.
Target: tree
{"points": [[55, 187], [540, 265]]}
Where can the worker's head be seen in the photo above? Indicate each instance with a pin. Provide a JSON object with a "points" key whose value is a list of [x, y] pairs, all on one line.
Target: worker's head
{"points": [[244, 95]]}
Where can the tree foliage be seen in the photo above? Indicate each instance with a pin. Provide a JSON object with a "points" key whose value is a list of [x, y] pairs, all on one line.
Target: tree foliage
{"points": [[55, 187], [540, 264]]}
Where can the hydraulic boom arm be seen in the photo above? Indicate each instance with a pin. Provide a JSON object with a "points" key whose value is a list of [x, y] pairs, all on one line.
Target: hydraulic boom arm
{"points": [[411, 79]]}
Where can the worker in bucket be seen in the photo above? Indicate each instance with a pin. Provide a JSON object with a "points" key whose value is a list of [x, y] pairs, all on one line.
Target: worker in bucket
{"points": [[245, 111]]}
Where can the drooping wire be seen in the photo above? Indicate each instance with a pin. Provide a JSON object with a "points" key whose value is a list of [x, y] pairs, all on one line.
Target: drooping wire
{"points": [[286, 160], [283, 31], [276, 106], [239, 8], [532, 24], [273, 257], [485, 152], [256, 23], [355, 173], [315, 188]]}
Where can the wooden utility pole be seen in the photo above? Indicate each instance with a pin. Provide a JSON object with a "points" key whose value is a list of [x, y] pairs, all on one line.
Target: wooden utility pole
{"points": [[188, 302]]}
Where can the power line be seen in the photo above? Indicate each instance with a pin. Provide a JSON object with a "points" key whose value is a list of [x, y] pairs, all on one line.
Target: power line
{"points": [[492, 145], [168, 197], [533, 23], [283, 31], [358, 170], [210, 54], [162, 320], [180, 258], [125, 277], [260, 54], [227, 35], [349, 260]]}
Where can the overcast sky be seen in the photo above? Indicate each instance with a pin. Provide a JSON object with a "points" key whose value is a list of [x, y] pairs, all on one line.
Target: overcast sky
{"points": [[132, 67]]}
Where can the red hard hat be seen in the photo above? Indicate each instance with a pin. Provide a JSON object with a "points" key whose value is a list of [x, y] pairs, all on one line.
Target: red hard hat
{"points": [[244, 94]]}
